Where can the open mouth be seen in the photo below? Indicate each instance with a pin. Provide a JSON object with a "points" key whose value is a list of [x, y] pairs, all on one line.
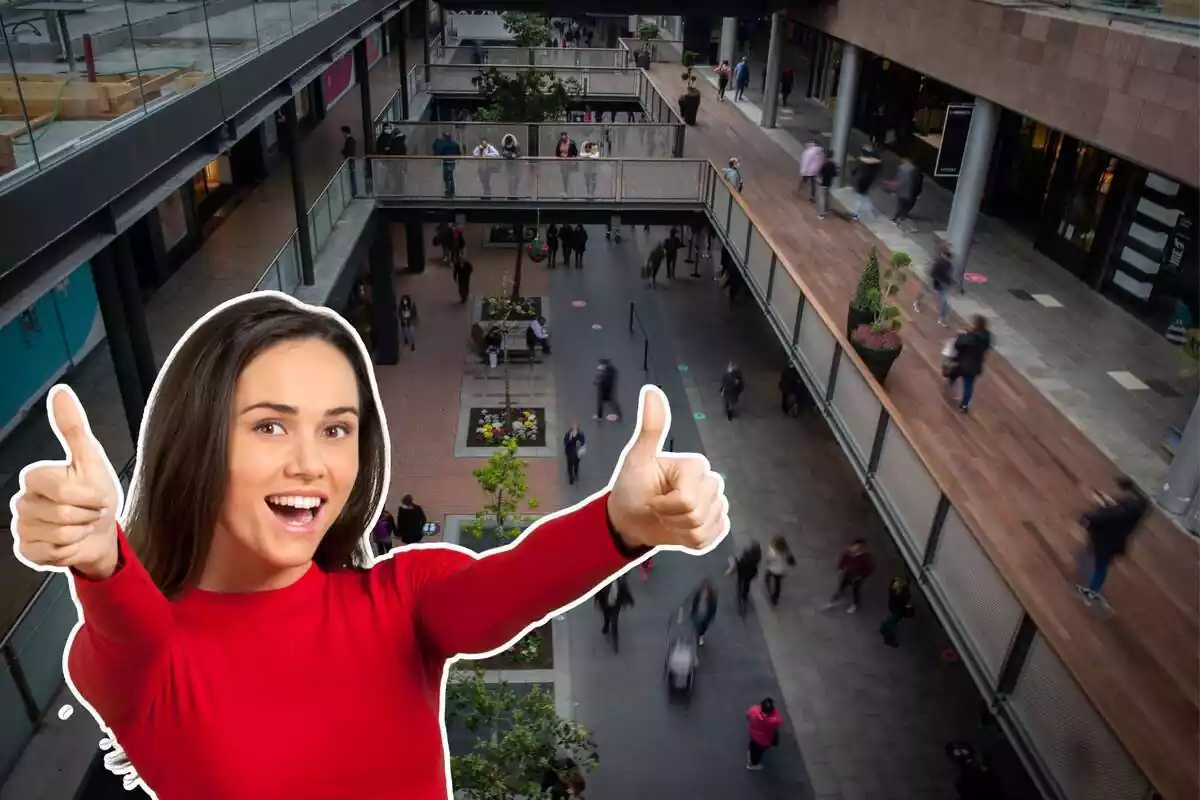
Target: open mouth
{"points": [[297, 512]]}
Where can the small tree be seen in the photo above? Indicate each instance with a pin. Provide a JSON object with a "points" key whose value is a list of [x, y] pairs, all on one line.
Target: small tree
{"points": [[647, 30], [528, 30], [520, 735], [502, 309], [885, 325], [868, 284], [526, 95], [503, 479]]}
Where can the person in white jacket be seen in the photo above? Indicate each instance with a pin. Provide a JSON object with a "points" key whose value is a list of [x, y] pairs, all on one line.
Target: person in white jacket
{"points": [[486, 149], [778, 559]]}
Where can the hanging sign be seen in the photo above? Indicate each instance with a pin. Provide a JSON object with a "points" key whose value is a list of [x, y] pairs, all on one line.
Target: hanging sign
{"points": [[954, 140]]}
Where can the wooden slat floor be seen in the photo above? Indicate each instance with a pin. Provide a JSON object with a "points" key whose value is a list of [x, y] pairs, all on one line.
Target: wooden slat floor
{"points": [[1017, 471]]}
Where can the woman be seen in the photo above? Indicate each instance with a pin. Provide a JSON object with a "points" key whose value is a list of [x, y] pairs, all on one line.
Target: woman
{"points": [[899, 606], [970, 348], [486, 149], [510, 151], [763, 721], [407, 311], [722, 72], [779, 558], [552, 244], [579, 239], [704, 608], [225, 652], [574, 447], [385, 529], [591, 150]]}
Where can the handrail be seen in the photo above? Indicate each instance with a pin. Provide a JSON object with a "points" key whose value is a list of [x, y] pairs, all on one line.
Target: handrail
{"points": [[1130, 10]]}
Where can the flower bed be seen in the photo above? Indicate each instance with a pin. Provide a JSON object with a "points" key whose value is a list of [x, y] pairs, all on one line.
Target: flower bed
{"points": [[534, 651], [486, 428], [525, 309]]}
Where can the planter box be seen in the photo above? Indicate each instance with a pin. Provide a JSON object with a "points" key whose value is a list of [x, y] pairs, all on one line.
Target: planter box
{"points": [[462, 740], [476, 417], [535, 303], [544, 659]]}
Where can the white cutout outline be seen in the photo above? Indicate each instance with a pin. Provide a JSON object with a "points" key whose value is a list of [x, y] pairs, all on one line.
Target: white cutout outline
{"points": [[127, 770]]}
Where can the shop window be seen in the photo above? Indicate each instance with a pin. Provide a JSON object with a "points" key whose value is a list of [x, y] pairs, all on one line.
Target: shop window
{"points": [[1085, 203]]}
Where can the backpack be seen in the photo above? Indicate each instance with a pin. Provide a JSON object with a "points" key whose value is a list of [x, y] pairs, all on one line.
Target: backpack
{"points": [[384, 528]]}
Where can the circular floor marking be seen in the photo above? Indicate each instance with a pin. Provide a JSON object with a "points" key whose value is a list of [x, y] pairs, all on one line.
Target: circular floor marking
{"points": [[65, 712], [699, 415], [975, 277], [682, 367], [579, 303], [612, 418], [597, 326]]}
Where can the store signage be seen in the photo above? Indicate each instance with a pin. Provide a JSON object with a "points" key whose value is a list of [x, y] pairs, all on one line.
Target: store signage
{"points": [[954, 140]]}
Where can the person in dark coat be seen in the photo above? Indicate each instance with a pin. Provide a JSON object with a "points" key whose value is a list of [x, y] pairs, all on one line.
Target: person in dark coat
{"points": [[446, 146], [703, 608], [463, 279], [865, 175], [899, 605], [552, 244], [791, 390], [606, 389], [672, 245], [574, 446], [745, 567], [579, 239], [732, 384], [566, 235], [410, 521], [654, 264], [941, 278], [969, 350], [787, 79], [1109, 526], [611, 599]]}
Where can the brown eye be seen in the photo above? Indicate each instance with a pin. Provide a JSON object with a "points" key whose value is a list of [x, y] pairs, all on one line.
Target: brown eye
{"points": [[269, 427]]}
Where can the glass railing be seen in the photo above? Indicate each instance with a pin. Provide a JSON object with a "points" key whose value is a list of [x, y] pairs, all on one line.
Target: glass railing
{"points": [[592, 81], [67, 85], [539, 56], [616, 140], [547, 180], [662, 51], [284, 273]]}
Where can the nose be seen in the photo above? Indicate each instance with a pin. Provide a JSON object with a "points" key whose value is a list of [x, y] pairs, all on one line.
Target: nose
{"points": [[305, 460]]}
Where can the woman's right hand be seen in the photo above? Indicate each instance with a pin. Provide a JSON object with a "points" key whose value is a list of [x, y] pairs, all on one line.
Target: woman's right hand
{"points": [[65, 513]]}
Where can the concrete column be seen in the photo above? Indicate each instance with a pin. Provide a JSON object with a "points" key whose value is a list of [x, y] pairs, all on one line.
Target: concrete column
{"points": [[414, 246], [135, 313], [774, 58], [423, 13], [105, 265], [287, 141], [402, 56], [972, 179], [385, 326], [634, 19], [363, 72], [728, 47], [844, 113], [1180, 492]]}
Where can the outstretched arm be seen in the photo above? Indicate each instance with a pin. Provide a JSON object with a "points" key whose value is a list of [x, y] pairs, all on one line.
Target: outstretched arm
{"points": [[480, 603]]}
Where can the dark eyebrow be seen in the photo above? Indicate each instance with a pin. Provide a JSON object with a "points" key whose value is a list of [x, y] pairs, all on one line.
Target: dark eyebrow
{"points": [[292, 411]]}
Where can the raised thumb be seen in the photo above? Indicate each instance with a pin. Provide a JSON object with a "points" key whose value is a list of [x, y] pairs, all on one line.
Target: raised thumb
{"points": [[654, 418], [70, 424]]}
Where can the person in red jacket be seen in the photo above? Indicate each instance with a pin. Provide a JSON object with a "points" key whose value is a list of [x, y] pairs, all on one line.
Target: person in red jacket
{"points": [[854, 567], [763, 721], [233, 618]]}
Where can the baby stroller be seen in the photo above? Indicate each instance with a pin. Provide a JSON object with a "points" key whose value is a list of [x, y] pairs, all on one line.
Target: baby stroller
{"points": [[679, 669]]}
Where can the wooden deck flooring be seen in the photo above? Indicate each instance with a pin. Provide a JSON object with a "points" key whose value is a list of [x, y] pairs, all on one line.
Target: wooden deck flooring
{"points": [[1017, 471]]}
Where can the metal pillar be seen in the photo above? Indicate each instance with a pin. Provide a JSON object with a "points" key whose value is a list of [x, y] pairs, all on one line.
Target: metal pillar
{"points": [[362, 71], [423, 11], [843, 115], [287, 140], [120, 345], [414, 246], [774, 57], [135, 313], [442, 24], [972, 180], [1180, 492], [385, 326], [402, 50], [726, 49]]}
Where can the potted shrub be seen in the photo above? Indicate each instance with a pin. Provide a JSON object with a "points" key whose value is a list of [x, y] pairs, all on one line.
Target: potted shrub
{"points": [[862, 311], [878, 343], [689, 101]]}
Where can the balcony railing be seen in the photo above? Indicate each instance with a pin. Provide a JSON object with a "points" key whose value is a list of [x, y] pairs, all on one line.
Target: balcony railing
{"points": [[539, 56], [1177, 14], [662, 51], [616, 140]]}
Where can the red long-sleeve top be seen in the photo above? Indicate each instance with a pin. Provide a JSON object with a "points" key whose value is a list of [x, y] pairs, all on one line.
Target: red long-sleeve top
{"points": [[328, 688]]}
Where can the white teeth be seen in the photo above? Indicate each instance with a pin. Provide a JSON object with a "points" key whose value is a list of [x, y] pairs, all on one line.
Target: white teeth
{"points": [[294, 501]]}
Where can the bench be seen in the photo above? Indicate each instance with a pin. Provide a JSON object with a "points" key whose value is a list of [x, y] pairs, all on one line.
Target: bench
{"points": [[515, 348]]}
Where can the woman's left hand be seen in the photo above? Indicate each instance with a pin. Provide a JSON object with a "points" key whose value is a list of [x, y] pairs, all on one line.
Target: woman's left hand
{"points": [[665, 499]]}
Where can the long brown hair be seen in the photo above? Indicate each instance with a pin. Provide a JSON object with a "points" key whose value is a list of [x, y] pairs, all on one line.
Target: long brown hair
{"points": [[182, 472]]}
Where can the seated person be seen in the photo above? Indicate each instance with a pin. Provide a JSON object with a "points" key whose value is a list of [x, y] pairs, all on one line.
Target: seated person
{"points": [[494, 338], [536, 334]]}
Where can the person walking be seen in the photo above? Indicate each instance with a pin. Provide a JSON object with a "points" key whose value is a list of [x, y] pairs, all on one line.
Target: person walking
{"points": [[970, 348], [899, 605], [810, 168], [733, 174], [1109, 526], [763, 722], [865, 175], [349, 153], [825, 177], [722, 71], [463, 279], [407, 311], [941, 277], [579, 239], [611, 600], [574, 446], [552, 244], [854, 567], [566, 236], [703, 608], [779, 559], [486, 150], [787, 79], [385, 529], [908, 184], [510, 151], [606, 389], [792, 390], [745, 567], [732, 384], [741, 79], [410, 521], [448, 149], [654, 264], [672, 245]]}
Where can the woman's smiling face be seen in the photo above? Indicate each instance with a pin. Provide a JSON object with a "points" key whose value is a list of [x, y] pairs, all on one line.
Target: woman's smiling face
{"points": [[293, 461]]}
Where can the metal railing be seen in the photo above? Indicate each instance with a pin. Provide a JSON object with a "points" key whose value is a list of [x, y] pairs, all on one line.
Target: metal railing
{"points": [[284, 273], [615, 139], [540, 56], [662, 51], [546, 180], [1183, 14]]}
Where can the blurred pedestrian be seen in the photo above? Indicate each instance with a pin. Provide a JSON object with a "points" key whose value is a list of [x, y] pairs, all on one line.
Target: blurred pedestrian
{"points": [[899, 606], [1109, 526], [854, 567], [703, 608], [605, 381], [745, 567], [611, 599], [410, 521], [574, 446], [779, 559]]}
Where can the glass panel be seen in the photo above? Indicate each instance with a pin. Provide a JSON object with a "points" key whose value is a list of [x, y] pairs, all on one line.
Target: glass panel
{"points": [[1081, 752], [817, 346], [722, 197], [662, 180], [607, 81], [320, 215], [568, 178], [291, 268], [739, 226], [446, 78], [984, 605], [15, 727], [337, 198], [640, 141], [759, 262], [39, 640], [857, 407], [906, 484], [785, 297]]}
